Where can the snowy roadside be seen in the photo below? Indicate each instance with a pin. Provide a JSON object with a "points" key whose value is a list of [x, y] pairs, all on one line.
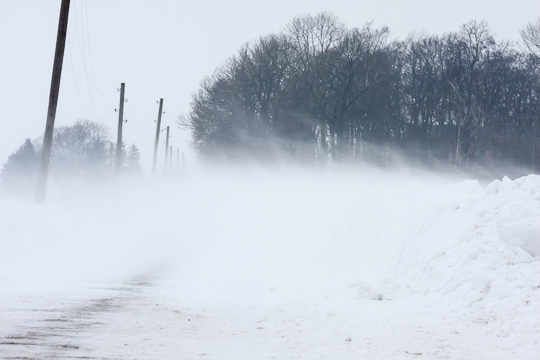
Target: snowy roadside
{"points": [[166, 320], [260, 268]]}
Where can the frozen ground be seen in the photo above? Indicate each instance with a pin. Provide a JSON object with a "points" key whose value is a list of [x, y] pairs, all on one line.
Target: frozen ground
{"points": [[274, 265]]}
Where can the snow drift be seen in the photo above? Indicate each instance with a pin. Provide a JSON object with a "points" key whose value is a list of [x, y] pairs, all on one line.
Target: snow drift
{"points": [[386, 235], [475, 253]]}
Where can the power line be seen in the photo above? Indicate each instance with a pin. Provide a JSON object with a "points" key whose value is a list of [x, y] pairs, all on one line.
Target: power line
{"points": [[94, 82], [75, 78], [84, 55], [82, 47]]}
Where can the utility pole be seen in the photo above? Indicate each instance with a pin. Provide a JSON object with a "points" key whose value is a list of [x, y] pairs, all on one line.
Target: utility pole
{"points": [[166, 150], [177, 160], [170, 160], [157, 136], [43, 173], [120, 122]]}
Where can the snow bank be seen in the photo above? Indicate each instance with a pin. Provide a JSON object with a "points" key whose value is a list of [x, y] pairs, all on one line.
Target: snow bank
{"points": [[476, 253]]}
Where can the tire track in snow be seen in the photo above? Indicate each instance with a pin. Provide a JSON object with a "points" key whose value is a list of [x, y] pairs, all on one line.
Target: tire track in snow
{"points": [[68, 331]]}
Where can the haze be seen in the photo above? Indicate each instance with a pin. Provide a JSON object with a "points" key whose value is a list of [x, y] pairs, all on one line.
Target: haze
{"points": [[216, 226]]}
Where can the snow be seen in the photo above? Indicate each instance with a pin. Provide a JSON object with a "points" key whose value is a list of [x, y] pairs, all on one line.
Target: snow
{"points": [[274, 265]]}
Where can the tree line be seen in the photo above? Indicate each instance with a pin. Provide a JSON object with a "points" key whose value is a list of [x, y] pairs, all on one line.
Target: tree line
{"points": [[321, 92], [81, 151]]}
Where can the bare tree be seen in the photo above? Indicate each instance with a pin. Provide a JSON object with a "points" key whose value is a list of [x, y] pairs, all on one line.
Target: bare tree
{"points": [[531, 36], [315, 42], [322, 91], [79, 149]]}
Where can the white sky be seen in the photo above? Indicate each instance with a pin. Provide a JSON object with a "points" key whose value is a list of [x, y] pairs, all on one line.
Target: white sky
{"points": [[163, 48]]}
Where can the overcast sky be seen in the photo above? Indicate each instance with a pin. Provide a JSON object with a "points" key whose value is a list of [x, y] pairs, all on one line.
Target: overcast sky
{"points": [[163, 48]]}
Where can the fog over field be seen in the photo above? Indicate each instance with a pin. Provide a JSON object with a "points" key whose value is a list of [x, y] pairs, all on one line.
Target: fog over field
{"points": [[250, 262], [231, 225]]}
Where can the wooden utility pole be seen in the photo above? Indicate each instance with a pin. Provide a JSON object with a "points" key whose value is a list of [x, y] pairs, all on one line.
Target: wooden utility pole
{"points": [[166, 149], [157, 136], [45, 159], [120, 123]]}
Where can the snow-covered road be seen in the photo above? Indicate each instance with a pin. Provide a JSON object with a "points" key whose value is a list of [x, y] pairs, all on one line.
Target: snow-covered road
{"points": [[381, 266], [152, 319]]}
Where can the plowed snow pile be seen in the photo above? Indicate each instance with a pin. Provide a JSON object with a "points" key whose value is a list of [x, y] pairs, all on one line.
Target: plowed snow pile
{"points": [[476, 253], [260, 264]]}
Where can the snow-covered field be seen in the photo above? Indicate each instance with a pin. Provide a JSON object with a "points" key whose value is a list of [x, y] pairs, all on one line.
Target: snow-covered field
{"points": [[283, 264]]}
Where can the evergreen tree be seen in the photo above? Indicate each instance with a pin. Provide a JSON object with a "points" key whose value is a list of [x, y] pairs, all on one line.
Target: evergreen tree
{"points": [[19, 172], [111, 159], [123, 156], [133, 160]]}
